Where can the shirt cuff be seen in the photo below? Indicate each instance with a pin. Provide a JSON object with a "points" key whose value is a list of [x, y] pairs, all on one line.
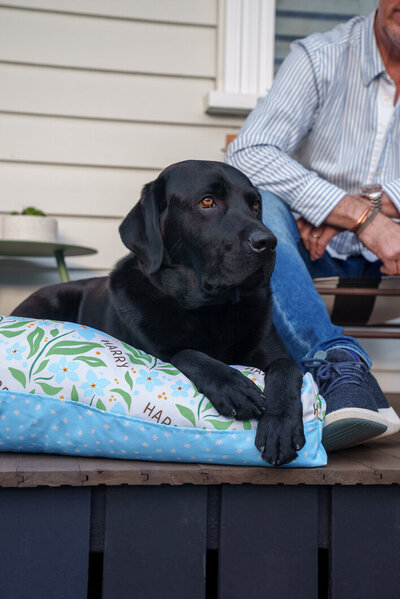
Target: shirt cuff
{"points": [[392, 189], [317, 200]]}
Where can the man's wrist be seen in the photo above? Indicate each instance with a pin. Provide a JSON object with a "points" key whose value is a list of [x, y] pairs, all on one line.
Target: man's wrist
{"points": [[348, 212]]}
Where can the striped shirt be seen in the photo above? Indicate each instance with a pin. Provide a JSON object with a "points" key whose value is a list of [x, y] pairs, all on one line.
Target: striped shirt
{"points": [[327, 126]]}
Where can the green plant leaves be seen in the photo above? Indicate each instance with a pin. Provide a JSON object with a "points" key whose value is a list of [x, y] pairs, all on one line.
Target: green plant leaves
{"points": [[168, 369], [221, 425], [10, 334], [136, 356], [18, 375], [128, 379], [49, 389], [100, 405], [69, 348], [91, 361], [17, 325], [41, 367], [74, 394], [187, 413], [125, 396], [34, 338]]}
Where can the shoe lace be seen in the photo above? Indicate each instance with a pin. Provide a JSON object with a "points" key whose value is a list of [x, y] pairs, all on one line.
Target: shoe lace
{"points": [[330, 375]]}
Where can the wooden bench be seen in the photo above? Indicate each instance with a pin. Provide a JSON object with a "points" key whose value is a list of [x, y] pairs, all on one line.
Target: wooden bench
{"points": [[77, 528]]}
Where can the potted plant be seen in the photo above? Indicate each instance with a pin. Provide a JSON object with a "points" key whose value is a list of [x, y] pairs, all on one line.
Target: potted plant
{"points": [[29, 224]]}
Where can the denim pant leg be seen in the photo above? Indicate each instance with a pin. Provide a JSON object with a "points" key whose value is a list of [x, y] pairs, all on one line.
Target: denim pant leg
{"points": [[299, 313]]}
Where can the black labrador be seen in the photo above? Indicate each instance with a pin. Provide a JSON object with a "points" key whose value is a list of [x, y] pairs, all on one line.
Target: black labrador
{"points": [[194, 291]]}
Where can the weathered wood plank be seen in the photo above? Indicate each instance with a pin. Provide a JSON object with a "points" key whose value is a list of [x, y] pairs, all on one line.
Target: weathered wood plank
{"points": [[365, 542], [44, 543], [268, 542], [375, 464], [155, 543]]}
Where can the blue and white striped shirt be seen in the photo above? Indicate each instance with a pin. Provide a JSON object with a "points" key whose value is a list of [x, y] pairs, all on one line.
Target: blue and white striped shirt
{"points": [[313, 138]]}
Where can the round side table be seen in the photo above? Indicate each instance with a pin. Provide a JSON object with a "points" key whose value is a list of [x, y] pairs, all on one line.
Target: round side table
{"points": [[44, 249]]}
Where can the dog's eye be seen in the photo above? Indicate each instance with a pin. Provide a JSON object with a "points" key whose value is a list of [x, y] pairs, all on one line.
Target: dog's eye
{"points": [[207, 202], [256, 206]]}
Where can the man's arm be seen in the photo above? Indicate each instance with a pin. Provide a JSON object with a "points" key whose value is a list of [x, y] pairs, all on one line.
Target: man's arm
{"points": [[273, 131], [381, 235]]}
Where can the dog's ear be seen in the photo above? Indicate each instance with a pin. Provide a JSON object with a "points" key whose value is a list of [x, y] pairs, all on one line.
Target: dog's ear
{"points": [[140, 229]]}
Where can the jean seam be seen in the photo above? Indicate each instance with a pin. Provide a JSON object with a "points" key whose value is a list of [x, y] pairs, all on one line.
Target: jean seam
{"points": [[289, 326]]}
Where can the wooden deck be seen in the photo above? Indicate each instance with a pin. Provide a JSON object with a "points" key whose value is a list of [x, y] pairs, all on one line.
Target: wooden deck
{"points": [[374, 463], [100, 528]]}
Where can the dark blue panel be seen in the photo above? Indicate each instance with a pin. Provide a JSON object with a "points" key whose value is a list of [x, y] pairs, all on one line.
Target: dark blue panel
{"points": [[365, 542], [44, 543], [269, 542], [155, 542]]}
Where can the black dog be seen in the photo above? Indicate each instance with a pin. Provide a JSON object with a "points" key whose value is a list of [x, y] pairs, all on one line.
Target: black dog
{"points": [[194, 291]]}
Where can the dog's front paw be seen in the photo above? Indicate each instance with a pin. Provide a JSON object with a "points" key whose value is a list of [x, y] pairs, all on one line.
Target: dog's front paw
{"points": [[279, 438], [236, 396]]}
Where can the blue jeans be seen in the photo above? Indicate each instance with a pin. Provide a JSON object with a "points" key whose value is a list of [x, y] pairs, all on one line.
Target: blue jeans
{"points": [[299, 313]]}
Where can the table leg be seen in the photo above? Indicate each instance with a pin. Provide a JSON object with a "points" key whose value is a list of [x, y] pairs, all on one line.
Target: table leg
{"points": [[62, 267]]}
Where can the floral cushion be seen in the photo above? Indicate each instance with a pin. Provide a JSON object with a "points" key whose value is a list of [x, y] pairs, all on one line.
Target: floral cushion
{"points": [[70, 389]]}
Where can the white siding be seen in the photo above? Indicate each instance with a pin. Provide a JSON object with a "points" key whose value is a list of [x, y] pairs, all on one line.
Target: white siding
{"points": [[98, 96]]}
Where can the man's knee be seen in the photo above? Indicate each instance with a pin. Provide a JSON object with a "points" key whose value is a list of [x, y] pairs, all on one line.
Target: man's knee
{"points": [[278, 217]]}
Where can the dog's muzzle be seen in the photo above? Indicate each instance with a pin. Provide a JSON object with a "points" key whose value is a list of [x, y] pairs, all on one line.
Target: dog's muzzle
{"points": [[262, 241]]}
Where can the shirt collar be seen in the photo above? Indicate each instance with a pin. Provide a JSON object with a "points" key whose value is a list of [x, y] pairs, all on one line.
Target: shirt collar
{"points": [[373, 63]]}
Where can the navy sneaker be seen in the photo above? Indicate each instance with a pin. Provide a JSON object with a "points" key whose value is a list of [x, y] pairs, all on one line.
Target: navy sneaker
{"points": [[352, 416]]}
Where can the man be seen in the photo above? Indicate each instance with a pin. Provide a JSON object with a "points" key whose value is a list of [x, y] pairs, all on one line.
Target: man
{"points": [[330, 125]]}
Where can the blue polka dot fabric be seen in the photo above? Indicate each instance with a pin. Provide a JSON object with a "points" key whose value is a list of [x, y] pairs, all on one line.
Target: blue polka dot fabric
{"points": [[69, 389]]}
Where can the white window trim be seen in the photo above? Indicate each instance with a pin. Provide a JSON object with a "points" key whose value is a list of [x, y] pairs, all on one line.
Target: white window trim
{"points": [[245, 55]]}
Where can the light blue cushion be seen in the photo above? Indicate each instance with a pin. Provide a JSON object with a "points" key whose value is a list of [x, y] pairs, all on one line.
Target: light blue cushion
{"points": [[69, 389]]}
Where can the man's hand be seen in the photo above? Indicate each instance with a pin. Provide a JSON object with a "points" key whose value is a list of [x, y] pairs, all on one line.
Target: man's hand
{"points": [[388, 208], [382, 237], [316, 239]]}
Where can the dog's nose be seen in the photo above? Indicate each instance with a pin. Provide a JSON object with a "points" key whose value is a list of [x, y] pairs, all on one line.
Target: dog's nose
{"points": [[260, 241]]}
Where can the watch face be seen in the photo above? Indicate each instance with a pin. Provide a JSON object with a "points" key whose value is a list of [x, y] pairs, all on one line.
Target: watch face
{"points": [[371, 188]]}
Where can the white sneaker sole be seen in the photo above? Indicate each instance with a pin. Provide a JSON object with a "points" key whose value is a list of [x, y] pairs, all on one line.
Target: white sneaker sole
{"points": [[352, 426], [392, 421]]}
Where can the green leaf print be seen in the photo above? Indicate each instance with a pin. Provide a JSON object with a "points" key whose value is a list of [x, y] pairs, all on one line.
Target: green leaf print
{"points": [[54, 332], [49, 389], [221, 425], [246, 425], [16, 325], [207, 407], [69, 348], [128, 379], [169, 369], [125, 395], [187, 413], [41, 366], [34, 338], [91, 361], [136, 354], [18, 375], [74, 394], [100, 405], [10, 334]]}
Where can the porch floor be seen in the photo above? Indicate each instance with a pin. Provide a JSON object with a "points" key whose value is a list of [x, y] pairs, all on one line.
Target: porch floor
{"points": [[374, 463]]}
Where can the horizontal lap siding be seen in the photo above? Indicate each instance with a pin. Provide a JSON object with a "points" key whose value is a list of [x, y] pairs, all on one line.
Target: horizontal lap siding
{"points": [[97, 97]]}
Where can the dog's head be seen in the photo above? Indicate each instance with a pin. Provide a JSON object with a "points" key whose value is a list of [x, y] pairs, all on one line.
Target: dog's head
{"points": [[198, 229]]}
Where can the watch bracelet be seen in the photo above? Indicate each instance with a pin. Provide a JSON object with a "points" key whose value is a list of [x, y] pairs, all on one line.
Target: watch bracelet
{"points": [[370, 218]]}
